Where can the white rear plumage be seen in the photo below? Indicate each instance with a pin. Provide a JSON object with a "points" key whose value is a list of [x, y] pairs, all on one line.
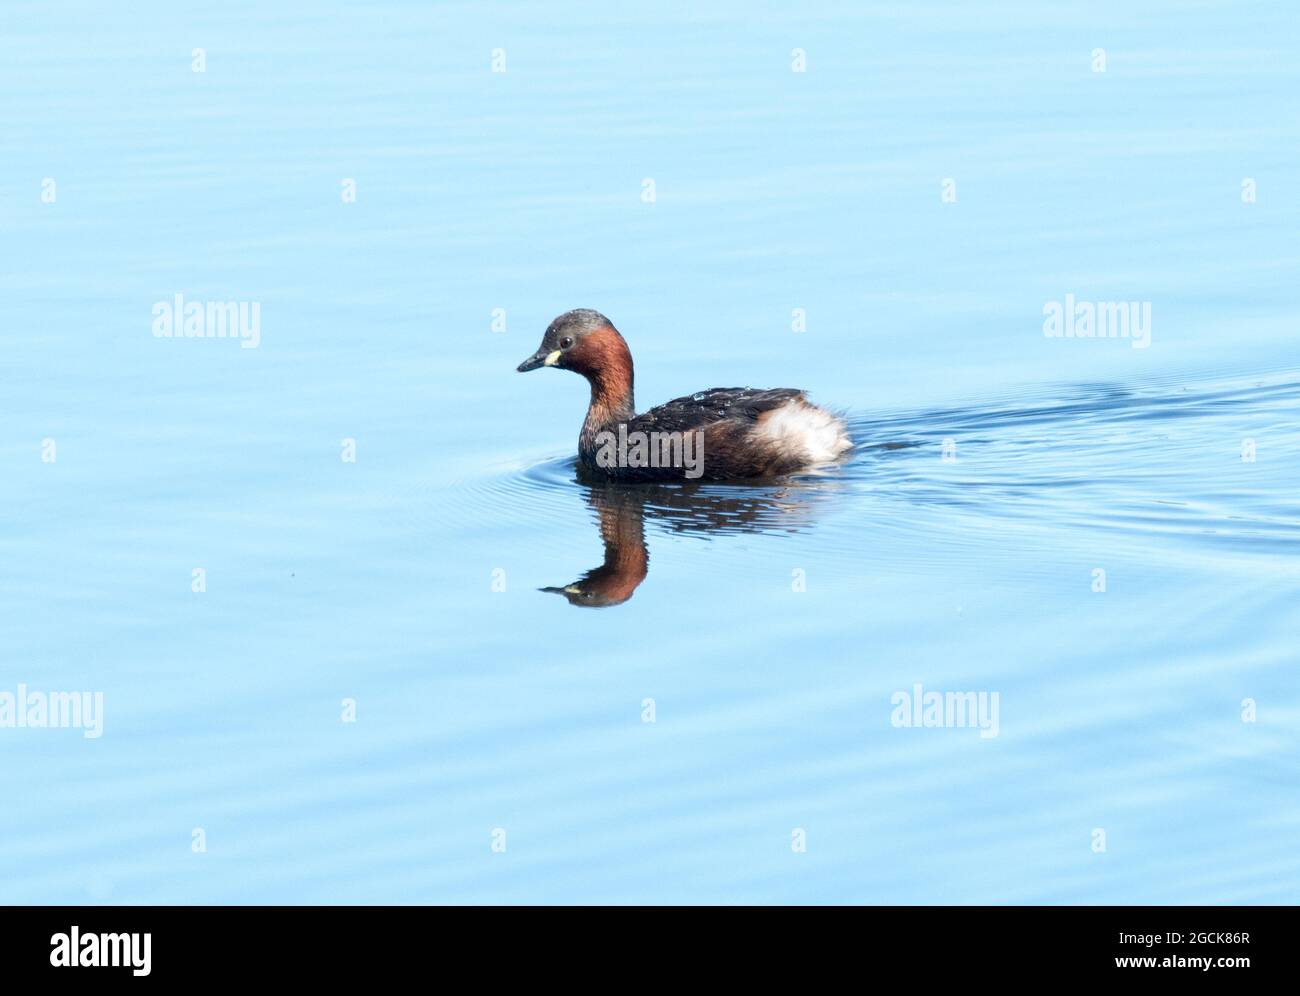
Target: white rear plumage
{"points": [[805, 431]]}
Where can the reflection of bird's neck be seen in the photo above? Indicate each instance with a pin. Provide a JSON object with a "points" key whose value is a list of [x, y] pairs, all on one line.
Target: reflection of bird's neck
{"points": [[626, 557]]}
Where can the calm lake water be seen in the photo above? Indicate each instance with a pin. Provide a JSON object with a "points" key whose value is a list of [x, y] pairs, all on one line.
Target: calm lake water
{"points": [[1105, 537]]}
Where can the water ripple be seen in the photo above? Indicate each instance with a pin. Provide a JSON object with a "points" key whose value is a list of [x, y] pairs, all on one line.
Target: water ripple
{"points": [[1155, 464]]}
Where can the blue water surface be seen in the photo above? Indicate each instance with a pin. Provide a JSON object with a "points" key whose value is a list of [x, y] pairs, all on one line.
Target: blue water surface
{"points": [[372, 701]]}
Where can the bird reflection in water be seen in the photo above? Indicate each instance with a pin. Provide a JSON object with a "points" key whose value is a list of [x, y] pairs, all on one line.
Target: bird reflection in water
{"points": [[703, 509]]}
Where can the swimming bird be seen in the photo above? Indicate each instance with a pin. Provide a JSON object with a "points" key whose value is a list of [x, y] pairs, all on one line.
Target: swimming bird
{"points": [[723, 434]]}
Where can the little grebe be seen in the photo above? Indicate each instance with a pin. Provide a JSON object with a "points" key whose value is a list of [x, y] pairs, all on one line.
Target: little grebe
{"points": [[727, 433]]}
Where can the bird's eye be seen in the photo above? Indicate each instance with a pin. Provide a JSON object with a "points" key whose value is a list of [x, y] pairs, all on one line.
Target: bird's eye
{"points": [[566, 342]]}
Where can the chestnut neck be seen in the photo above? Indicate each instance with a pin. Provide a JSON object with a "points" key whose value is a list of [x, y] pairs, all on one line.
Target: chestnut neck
{"points": [[606, 362]]}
